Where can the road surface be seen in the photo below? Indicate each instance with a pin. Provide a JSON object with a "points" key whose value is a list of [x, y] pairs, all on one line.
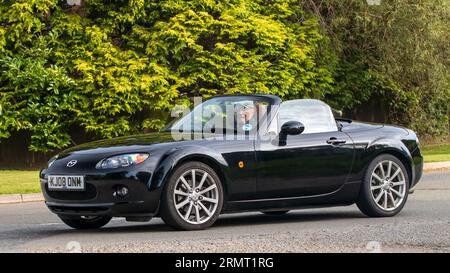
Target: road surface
{"points": [[422, 226]]}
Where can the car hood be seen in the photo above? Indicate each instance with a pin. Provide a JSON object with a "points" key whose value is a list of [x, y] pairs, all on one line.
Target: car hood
{"points": [[118, 145]]}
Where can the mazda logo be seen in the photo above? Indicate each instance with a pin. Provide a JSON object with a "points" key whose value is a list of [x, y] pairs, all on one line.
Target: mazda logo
{"points": [[71, 163]]}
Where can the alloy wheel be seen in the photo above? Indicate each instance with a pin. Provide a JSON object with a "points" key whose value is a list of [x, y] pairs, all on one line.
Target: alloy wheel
{"points": [[388, 185], [196, 196]]}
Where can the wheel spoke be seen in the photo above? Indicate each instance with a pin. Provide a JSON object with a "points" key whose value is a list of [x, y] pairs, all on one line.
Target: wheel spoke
{"points": [[193, 178], [385, 200], [379, 197], [400, 183], [185, 183], [374, 175], [376, 187], [389, 169], [182, 204], [382, 170], [213, 186], [205, 209], [395, 174], [209, 200], [188, 212], [205, 175], [197, 214], [397, 193], [181, 193]]}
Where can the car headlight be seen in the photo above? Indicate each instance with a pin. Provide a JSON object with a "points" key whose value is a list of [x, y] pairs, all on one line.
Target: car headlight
{"points": [[119, 161]]}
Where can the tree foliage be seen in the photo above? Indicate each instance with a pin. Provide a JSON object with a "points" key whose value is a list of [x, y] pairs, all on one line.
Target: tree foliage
{"points": [[398, 50], [112, 67]]}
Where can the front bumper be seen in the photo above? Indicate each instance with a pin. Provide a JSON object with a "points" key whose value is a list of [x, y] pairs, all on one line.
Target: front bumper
{"points": [[127, 209], [99, 199]]}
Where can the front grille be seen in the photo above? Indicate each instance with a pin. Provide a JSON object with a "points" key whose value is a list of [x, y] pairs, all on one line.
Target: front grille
{"points": [[88, 194]]}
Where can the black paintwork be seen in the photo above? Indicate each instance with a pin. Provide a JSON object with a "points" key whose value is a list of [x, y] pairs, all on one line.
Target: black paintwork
{"points": [[321, 169]]}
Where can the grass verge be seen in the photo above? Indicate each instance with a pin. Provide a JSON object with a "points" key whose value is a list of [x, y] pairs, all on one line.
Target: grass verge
{"points": [[436, 153], [19, 182]]}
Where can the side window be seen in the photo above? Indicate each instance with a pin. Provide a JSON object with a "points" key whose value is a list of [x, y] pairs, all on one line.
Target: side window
{"points": [[314, 114]]}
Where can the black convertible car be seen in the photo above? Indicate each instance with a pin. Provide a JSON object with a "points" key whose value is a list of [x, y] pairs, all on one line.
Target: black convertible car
{"points": [[236, 153]]}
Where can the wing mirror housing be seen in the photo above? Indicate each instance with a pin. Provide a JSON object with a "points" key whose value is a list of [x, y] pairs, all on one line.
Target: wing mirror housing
{"points": [[292, 128]]}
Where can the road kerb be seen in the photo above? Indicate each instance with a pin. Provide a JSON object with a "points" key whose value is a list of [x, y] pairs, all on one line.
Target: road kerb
{"points": [[20, 198], [10, 198], [33, 197], [436, 166]]}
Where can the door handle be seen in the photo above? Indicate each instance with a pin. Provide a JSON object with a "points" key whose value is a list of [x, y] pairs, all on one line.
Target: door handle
{"points": [[336, 141]]}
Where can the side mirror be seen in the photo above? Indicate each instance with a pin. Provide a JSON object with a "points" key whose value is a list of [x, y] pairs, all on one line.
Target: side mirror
{"points": [[292, 128], [289, 128]]}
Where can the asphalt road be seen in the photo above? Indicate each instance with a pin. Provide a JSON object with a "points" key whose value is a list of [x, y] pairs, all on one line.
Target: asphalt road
{"points": [[422, 226]]}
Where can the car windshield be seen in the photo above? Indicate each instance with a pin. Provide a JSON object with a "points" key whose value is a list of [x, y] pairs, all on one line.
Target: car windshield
{"points": [[224, 114]]}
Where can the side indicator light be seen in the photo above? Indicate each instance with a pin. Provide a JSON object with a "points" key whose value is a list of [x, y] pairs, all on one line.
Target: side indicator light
{"points": [[241, 164]]}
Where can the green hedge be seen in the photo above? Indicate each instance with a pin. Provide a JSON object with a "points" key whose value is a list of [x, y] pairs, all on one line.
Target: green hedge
{"points": [[117, 67]]}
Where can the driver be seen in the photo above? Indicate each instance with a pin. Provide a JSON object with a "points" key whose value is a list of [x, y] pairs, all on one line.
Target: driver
{"points": [[247, 117]]}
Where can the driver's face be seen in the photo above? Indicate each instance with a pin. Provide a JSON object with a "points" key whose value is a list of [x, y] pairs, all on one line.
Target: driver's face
{"points": [[246, 114]]}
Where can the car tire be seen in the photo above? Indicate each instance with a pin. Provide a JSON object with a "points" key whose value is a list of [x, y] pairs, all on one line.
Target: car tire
{"points": [[276, 212], [190, 205], [80, 222], [378, 196]]}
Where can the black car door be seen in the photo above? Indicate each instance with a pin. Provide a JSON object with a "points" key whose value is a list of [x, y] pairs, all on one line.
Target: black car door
{"points": [[318, 161]]}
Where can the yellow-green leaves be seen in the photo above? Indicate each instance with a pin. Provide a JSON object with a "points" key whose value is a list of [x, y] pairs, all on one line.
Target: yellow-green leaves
{"points": [[113, 68]]}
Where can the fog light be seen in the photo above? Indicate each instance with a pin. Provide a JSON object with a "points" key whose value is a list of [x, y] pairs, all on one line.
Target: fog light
{"points": [[121, 191]]}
